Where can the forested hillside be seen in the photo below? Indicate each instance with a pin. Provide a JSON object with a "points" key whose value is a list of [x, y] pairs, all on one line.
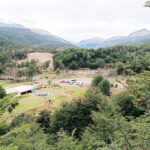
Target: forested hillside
{"points": [[127, 59], [28, 37], [6, 44]]}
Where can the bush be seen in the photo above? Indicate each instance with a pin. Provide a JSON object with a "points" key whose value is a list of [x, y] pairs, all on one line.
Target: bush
{"points": [[44, 120], [10, 109], [22, 119], [97, 80], [125, 104], [116, 85], [2, 92], [104, 86]]}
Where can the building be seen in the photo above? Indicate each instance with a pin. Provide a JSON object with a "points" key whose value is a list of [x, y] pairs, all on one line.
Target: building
{"points": [[24, 89]]}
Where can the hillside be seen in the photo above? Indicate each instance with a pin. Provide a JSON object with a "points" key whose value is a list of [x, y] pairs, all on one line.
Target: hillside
{"points": [[32, 37], [135, 38], [6, 44]]}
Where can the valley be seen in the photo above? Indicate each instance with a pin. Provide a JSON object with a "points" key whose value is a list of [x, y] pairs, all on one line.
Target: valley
{"points": [[56, 95]]}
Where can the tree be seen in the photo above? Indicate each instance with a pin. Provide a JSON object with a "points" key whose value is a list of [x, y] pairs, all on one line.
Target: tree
{"points": [[2, 92], [147, 4], [46, 65], [125, 104], [97, 80], [32, 70], [104, 86], [121, 68], [44, 120], [58, 71]]}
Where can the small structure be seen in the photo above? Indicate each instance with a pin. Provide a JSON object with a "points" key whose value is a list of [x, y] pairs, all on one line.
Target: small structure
{"points": [[24, 89]]}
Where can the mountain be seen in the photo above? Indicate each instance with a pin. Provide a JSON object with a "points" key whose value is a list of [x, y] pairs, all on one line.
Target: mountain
{"points": [[6, 44], [141, 33], [91, 43], [32, 37], [136, 38]]}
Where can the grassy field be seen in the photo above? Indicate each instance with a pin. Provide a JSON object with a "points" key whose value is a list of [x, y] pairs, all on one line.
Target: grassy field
{"points": [[58, 94], [11, 84], [32, 103]]}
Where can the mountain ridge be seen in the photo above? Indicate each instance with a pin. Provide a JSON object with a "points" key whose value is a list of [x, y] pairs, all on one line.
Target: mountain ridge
{"points": [[32, 37], [135, 38]]}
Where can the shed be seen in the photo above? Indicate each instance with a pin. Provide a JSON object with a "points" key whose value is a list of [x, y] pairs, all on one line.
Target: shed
{"points": [[20, 90]]}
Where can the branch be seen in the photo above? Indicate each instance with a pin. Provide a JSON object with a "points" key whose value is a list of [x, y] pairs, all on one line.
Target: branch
{"points": [[147, 4], [125, 137]]}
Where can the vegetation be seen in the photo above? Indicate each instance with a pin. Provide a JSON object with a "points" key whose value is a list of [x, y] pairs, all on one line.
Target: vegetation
{"points": [[102, 84], [27, 37], [2, 92], [125, 59], [96, 121]]}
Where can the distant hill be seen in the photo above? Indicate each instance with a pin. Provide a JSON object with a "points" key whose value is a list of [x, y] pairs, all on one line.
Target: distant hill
{"points": [[32, 37], [6, 44], [91, 43], [135, 38]]}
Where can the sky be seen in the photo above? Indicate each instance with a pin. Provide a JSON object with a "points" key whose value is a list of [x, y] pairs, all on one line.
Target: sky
{"points": [[76, 20]]}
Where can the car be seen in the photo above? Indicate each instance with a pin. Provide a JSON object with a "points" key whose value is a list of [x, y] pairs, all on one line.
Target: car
{"points": [[73, 80], [63, 81], [79, 83]]}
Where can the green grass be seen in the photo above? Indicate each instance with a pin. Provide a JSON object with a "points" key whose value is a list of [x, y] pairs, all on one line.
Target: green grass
{"points": [[11, 84], [75, 91], [58, 99], [33, 101]]}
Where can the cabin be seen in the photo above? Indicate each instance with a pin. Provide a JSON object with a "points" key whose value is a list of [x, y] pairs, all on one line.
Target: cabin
{"points": [[24, 89]]}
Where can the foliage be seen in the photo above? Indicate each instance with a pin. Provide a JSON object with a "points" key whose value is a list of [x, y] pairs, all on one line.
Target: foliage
{"points": [[102, 84], [2, 92], [44, 120], [97, 79], [6, 102], [76, 115], [125, 104], [123, 58], [147, 4]]}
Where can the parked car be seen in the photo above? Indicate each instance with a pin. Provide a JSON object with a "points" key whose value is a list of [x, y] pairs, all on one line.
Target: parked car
{"points": [[79, 83], [63, 81], [68, 81], [73, 80]]}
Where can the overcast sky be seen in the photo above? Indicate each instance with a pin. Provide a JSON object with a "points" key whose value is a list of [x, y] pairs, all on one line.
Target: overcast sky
{"points": [[76, 20]]}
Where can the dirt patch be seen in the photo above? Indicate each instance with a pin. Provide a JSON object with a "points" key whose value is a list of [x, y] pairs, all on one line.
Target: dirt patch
{"points": [[88, 72], [40, 57]]}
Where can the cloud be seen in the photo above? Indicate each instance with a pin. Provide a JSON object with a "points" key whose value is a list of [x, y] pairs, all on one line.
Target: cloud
{"points": [[78, 19]]}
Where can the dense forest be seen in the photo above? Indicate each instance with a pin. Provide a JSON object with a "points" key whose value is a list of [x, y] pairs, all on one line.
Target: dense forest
{"points": [[127, 59]]}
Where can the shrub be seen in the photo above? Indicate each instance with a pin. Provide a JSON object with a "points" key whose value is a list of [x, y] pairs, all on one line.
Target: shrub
{"points": [[104, 86], [125, 104], [2, 92], [44, 120], [10, 109], [97, 80]]}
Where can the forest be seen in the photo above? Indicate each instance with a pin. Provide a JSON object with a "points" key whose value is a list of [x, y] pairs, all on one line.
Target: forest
{"points": [[126, 59]]}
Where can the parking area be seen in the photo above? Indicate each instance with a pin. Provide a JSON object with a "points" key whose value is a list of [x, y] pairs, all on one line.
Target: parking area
{"points": [[74, 82]]}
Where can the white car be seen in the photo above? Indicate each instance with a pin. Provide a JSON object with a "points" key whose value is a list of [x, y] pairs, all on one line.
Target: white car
{"points": [[79, 83]]}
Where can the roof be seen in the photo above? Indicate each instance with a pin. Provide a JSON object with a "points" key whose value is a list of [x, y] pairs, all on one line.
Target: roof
{"points": [[19, 89]]}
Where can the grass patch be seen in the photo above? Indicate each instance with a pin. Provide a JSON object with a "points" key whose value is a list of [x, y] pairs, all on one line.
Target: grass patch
{"points": [[11, 84], [26, 104], [75, 91]]}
